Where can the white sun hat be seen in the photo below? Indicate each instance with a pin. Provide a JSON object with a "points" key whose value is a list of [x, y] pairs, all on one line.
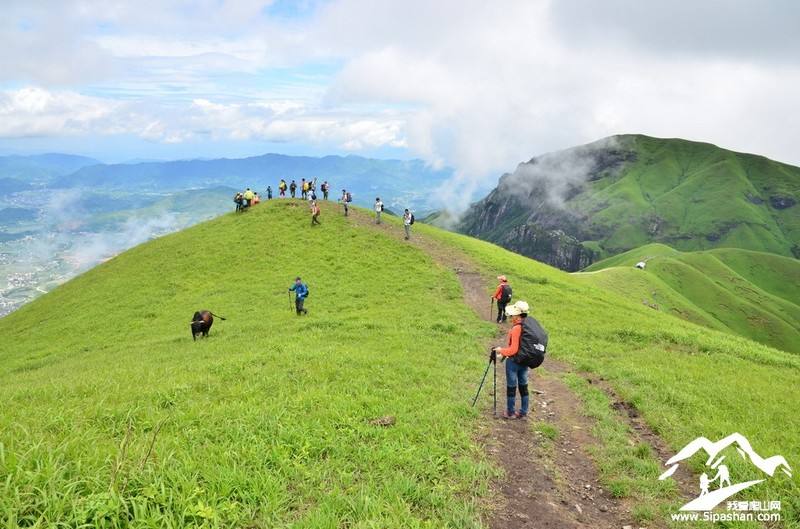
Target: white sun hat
{"points": [[520, 307]]}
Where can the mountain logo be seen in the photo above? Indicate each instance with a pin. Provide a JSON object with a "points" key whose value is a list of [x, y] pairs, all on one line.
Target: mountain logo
{"points": [[708, 499]]}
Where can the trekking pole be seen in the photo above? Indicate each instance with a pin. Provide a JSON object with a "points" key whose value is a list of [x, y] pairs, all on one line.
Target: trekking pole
{"points": [[494, 387], [491, 308], [290, 301], [491, 360]]}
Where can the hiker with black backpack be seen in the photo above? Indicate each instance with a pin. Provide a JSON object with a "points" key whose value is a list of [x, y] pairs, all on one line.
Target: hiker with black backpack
{"points": [[378, 210], [325, 188], [503, 297], [293, 188], [300, 290], [527, 344], [408, 221]]}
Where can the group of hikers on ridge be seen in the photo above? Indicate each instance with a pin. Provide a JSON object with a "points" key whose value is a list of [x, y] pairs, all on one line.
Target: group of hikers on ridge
{"points": [[308, 189], [247, 198]]}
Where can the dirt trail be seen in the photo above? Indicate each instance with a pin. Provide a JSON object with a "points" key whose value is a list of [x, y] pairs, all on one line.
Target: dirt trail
{"points": [[547, 483]]}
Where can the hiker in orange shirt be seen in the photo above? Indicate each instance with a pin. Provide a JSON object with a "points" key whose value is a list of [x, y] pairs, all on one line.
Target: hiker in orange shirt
{"points": [[503, 296], [527, 343]]}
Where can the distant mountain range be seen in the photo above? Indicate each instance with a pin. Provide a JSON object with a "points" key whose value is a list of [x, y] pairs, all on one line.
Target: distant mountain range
{"points": [[400, 183], [577, 206], [61, 214], [39, 169]]}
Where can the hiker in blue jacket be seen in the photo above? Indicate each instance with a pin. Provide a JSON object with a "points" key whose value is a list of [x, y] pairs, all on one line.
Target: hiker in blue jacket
{"points": [[300, 290]]}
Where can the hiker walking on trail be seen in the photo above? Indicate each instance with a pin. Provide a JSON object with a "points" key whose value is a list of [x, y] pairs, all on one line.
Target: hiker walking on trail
{"points": [[378, 210], [315, 213], [269, 192], [503, 297], [256, 199], [303, 189], [527, 343], [282, 187], [300, 290], [346, 199], [293, 188], [325, 188], [408, 221]]}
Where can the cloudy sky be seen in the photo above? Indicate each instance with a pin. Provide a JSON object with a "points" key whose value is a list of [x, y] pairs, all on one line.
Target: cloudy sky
{"points": [[479, 86]]}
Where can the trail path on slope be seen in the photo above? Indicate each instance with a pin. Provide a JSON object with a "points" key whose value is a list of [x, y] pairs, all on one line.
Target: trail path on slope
{"points": [[547, 484]]}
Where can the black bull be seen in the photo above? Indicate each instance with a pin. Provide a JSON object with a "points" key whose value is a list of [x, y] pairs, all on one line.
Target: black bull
{"points": [[201, 323]]}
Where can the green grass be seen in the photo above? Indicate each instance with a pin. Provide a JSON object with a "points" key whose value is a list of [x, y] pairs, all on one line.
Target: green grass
{"points": [[701, 196], [752, 294], [266, 423], [685, 380]]}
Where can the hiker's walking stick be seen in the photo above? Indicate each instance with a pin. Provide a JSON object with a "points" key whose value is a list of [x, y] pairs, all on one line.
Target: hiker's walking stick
{"points": [[494, 387], [491, 308], [290, 301], [491, 360]]}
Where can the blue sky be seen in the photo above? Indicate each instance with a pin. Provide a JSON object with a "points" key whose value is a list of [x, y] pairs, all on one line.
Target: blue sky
{"points": [[478, 86]]}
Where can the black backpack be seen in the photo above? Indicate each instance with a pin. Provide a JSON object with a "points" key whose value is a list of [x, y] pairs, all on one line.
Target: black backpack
{"points": [[532, 345], [505, 297], [348, 197], [412, 219]]}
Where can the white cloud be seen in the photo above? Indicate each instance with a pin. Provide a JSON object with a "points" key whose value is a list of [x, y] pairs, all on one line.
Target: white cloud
{"points": [[495, 85], [38, 112], [476, 85]]}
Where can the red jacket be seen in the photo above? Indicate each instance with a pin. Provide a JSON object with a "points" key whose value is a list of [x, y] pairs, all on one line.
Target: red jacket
{"points": [[514, 336], [499, 292]]}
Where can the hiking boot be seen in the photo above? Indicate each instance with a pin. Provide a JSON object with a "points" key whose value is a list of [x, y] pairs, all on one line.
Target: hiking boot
{"points": [[509, 416], [521, 416]]}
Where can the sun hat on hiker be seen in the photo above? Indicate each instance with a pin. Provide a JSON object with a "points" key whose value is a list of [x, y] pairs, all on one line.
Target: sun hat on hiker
{"points": [[502, 278], [520, 307]]}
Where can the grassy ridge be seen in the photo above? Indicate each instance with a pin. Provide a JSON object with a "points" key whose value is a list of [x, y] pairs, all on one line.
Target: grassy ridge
{"points": [[267, 422], [685, 380], [590, 202], [699, 195], [752, 294]]}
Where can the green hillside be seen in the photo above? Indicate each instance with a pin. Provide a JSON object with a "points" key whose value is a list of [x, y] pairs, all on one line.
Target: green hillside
{"points": [[574, 207], [752, 294], [113, 417]]}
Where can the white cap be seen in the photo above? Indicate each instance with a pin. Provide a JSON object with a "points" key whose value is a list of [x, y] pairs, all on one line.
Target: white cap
{"points": [[520, 307]]}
